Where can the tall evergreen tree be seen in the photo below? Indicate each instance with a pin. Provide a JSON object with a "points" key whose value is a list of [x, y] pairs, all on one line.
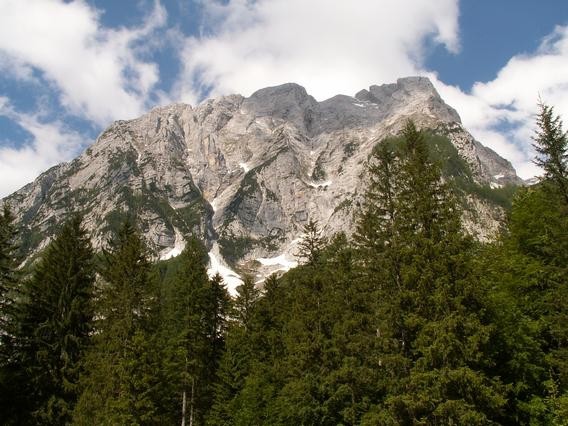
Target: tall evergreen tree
{"points": [[531, 259], [235, 363], [8, 266], [120, 381], [551, 145], [54, 324], [375, 227], [536, 248], [12, 381], [431, 327], [312, 243], [193, 328]]}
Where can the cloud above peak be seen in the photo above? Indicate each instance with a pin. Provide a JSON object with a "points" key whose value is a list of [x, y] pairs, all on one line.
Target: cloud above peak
{"points": [[97, 70], [329, 47], [50, 143]]}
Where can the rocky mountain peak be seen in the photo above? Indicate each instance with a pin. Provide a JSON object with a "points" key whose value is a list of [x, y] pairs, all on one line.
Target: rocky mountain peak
{"points": [[288, 102], [410, 94], [246, 174]]}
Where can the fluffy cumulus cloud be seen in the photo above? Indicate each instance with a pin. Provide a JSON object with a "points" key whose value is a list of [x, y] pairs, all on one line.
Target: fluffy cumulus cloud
{"points": [[327, 46], [501, 113], [97, 70], [50, 143], [96, 73], [335, 47], [100, 74]]}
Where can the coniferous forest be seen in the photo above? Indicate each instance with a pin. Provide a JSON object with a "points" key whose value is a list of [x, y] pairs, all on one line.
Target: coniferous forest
{"points": [[409, 321]]}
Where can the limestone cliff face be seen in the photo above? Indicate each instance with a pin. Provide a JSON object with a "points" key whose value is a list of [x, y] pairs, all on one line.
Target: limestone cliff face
{"points": [[246, 174]]}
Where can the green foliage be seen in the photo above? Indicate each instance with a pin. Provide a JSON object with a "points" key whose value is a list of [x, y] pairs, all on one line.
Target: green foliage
{"points": [[318, 173], [452, 166], [233, 248], [311, 244], [120, 379], [350, 148], [194, 311], [551, 144], [431, 327], [54, 315], [502, 196], [8, 265], [538, 239], [12, 395], [235, 363], [345, 204]]}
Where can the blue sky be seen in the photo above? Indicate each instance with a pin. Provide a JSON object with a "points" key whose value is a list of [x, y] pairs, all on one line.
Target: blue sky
{"points": [[69, 68]]}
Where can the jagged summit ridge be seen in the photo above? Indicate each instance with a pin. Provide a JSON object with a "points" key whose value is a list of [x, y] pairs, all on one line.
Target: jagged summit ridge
{"points": [[245, 174]]}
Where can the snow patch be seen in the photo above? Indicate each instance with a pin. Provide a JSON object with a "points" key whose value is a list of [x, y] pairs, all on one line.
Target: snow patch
{"points": [[179, 245], [359, 105], [245, 167], [320, 185], [495, 185], [285, 264], [218, 266], [498, 176]]}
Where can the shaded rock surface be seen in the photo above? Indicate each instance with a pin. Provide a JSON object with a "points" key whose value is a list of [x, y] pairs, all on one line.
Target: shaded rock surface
{"points": [[246, 174]]}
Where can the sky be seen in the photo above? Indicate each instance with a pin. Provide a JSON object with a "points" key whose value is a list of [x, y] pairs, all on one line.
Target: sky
{"points": [[68, 69]]}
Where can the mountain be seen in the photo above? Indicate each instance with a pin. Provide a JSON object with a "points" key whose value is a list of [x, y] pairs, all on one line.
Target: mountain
{"points": [[246, 174]]}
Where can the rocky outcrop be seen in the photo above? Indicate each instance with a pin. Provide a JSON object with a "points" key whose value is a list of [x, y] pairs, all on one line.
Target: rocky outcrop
{"points": [[246, 174]]}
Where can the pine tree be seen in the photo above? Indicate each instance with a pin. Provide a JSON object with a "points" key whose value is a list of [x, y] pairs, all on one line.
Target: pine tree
{"points": [[8, 266], [120, 381], [55, 321], [312, 243], [13, 389], [375, 227], [8, 281], [236, 359], [431, 326], [195, 310], [245, 302], [551, 144], [536, 249]]}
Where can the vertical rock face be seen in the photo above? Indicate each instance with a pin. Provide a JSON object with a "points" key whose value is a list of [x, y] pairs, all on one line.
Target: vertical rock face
{"points": [[246, 174]]}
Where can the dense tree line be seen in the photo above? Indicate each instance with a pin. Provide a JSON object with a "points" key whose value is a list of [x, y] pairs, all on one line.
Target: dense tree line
{"points": [[409, 321]]}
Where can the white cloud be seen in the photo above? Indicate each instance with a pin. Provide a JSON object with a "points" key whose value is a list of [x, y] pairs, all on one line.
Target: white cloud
{"points": [[51, 143], [327, 46], [99, 71], [501, 113], [332, 46]]}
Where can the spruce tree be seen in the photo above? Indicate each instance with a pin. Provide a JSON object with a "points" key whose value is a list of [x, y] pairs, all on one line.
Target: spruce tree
{"points": [[55, 323], [536, 250], [120, 381], [8, 281], [193, 325], [8, 266], [13, 387], [431, 327], [235, 362], [551, 145], [531, 261], [311, 244]]}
